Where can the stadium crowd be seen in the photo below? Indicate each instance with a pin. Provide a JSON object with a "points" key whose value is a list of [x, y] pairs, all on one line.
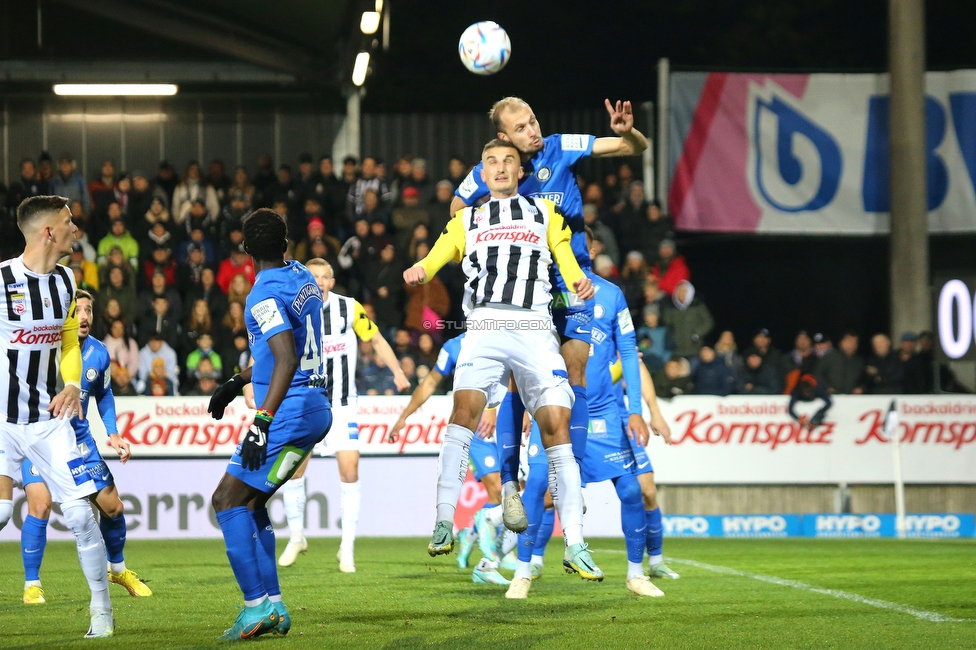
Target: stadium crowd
{"points": [[162, 253]]}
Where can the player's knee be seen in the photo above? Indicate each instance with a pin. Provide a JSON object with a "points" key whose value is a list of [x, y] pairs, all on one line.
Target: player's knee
{"points": [[221, 500], [6, 512], [649, 492], [628, 489], [560, 395], [112, 509], [39, 510], [79, 518], [349, 475]]}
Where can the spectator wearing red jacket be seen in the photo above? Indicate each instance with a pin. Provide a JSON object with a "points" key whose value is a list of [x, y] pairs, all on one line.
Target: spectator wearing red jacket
{"points": [[238, 262], [162, 262], [671, 269]]}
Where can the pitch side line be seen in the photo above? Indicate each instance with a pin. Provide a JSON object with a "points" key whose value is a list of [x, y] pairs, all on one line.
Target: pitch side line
{"points": [[934, 617]]}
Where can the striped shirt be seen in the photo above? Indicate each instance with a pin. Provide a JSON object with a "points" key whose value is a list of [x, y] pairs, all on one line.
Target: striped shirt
{"points": [[35, 309], [343, 319]]}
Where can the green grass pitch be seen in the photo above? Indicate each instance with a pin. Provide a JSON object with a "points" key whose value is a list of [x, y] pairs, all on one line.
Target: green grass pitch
{"points": [[872, 594]]}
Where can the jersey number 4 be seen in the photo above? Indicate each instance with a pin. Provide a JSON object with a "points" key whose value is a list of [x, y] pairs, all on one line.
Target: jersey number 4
{"points": [[311, 360]]}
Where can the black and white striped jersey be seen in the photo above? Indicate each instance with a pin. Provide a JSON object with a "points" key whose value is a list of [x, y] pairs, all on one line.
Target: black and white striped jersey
{"points": [[33, 310], [343, 320], [506, 254]]}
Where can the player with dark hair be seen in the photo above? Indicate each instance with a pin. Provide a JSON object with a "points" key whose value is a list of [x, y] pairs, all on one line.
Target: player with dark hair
{"points": [[95, 380], [283, 317], [37, 322], [549, 164]]}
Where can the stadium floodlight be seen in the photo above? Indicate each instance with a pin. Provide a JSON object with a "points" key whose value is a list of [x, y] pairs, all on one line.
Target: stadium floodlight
{"points": [[115, 89], [360, 68], [379, 6], [370, 22]]}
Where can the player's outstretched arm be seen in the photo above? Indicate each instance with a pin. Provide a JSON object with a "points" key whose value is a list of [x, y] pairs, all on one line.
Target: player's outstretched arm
{"points": [[630, 141], [421, 395], [386, 353], [448, 247]]}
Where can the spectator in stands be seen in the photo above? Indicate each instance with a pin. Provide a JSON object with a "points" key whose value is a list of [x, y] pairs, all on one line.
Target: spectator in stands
{"points": [[631, 216], [420, 181], [330, 193], [409, 368], [206, 385], [315, 210], [121, 289], [241, 186], [26, 186], [353, 258], [593, 194], [283, 189], [884, 371], [808, 389], [373, 210], [141, 203], [841, 369], [763, 344], [401, 178], [161, 262], [166, 180], [803, 357], [606, 269], [122, 348], [232, 323], [159, 322], [821, 346], [157, 236], [69, 183], [191, 188], [655, 228], [386, 288], [204, 350], [427, 304], [426, 351], [315, 230], [209, 291], [601, 232], [377, 378], [217, 179], [264, 177], [81, 237], [727, 350], [157, 383], [157, 349], [79, 275], [457, 169], [420, 235], [409, 215], [158, 287], [440, 207], [157, 213], [238, 290], [230, 227], [633, 277], [688, 320], [654, 340], [119, 236], [200, 218], [89, 269], [403, 345], [121, 381], [102, 189], [197, 324], [236, 355], [671, 268], [711, 375], [759, 377], [239, 263], [926, 363], [917, 374], [652, 295], [674, 380], [368, 181]]}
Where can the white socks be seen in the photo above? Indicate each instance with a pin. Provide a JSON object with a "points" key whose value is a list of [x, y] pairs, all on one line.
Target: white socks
{"points": [[509, 542], [293, 494], [452, 466], [566, 489], [349, 501], [494, 516], [523, 570], [537, 560], [6, 511], [117, 567], [634, 570], [655, 559], [80, 519]]}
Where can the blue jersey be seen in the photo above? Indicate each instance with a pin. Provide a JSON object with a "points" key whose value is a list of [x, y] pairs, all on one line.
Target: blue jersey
{"points": [[550, 174], [611, 332], [96, 382], [448, 356], [284, 299]]}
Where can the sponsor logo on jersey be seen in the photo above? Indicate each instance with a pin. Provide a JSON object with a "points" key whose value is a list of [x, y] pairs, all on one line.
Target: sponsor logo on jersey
{"points": [[555, 197], [625, 322], [513, 234], [598, 311], [91, 374], [543, 174], [597, 335], [38, 335], [308, 291], [574, 142], [330, 349], [266, 315], [19, 301]]}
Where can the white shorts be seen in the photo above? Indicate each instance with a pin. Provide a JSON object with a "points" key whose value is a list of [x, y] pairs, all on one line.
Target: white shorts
{"points": [[344, 434], [533, 358], [53, 448]]}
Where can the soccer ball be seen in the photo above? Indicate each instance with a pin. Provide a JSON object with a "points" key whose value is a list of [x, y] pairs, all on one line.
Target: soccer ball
{"points": [[485, 48]]}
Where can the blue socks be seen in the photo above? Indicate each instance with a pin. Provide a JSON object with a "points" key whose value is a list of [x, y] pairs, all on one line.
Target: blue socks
{"points": [[240, 534], [533, 498], [655, 532], [508, 435], [33, 539], [113, 532], [266, 551], [544, 533], [632, 516], [579, 423]]}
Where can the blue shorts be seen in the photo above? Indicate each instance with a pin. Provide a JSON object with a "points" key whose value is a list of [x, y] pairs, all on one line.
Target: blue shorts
{"points": [[94, 468], [571, 316], [299, 425], [644, 465], [484, 457], [609, 451]]}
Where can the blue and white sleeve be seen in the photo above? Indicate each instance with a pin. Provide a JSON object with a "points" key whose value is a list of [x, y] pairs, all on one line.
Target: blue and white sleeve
{"points": [[105, 400], [472, 188], [626, 339]]}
